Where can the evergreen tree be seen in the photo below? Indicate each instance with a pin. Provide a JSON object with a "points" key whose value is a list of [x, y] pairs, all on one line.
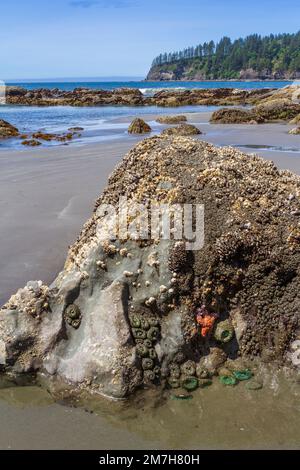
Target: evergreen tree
{"points": [[273, 54]]}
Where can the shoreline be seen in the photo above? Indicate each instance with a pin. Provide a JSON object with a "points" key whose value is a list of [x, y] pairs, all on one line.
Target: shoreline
{"points": [[250, 80]]}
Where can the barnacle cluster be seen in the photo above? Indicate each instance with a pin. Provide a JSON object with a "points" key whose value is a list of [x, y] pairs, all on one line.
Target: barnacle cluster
{"points": [[236, 245]]}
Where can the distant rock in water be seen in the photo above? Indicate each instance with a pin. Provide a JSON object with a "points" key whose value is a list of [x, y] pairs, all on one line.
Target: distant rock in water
{"points": [[83, 97], [232, 116], [128, 313], [133, 97], [139, 126], [177, 119], [295, 131], [77, 97], [183, 129], [282, 105], [277, 109], [7, 130], [76, 129], [31, 142], [296, 120], [48, 137]]}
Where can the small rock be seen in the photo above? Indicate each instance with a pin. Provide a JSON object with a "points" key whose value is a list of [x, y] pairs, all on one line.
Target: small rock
{"points": [[138, 126]]}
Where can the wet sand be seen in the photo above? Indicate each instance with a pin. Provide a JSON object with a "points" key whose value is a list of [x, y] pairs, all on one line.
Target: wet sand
{"points": [[271, 141], [45, 197], [217, 417]]}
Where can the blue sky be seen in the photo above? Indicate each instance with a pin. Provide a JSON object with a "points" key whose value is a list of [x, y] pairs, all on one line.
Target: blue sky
{"points": [[95, 38]]}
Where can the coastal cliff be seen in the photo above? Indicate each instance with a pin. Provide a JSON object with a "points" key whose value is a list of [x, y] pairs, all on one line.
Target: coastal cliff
{"points": [[273, 57], [191, 70], [130, 313]]}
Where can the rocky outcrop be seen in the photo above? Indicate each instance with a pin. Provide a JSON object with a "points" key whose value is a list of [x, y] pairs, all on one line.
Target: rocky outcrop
{"points": [[295, 120], [31, 142], [133, 97], [76, 97], [48, 137], [233, 116], [7, 130], [251, 74], [139, 126], [290, 92], [128, 312], [295, 131], [176, 119], [279, 109], [189, 71], [183, 129], [282, 105], [37, 138], [209, 97]]}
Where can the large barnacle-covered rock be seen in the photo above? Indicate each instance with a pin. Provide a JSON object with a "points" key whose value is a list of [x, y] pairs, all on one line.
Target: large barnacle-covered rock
{"points": [[123, 312]]}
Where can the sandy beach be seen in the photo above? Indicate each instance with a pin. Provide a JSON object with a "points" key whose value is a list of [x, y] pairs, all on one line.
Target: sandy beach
{"points": [[47, 194]]}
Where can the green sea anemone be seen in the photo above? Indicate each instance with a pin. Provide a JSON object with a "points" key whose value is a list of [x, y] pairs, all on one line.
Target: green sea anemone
{"points": [[153, 321], [224, 331], [152, 353], [173, 382], [149, 376], [147, 363], [135, 321], [174, 370], [73, 316], [228, 380], [189, 383], [153, 333], [72, 311], [243, 374], [188, 368], [145, 324], [142, 351], [148, 343], [138, 333]]}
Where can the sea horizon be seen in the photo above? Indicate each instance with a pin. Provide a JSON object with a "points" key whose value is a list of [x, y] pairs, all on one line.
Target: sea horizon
{"points": [[145, 86]]}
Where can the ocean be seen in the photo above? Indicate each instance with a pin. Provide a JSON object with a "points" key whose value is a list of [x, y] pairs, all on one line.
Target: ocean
{"points": [[101, 123], [147, 87]]}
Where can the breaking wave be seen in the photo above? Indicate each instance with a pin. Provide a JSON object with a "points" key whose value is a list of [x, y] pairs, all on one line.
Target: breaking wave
{"points": [[152, 91]]}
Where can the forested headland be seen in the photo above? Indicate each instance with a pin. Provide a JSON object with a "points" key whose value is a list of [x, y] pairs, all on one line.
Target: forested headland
{"points": [[253, 57]]}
